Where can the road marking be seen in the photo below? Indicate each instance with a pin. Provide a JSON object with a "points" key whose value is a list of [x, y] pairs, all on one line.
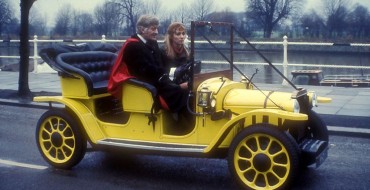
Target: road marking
{"points": [[349, 129], [24, 165], [38, 167]]}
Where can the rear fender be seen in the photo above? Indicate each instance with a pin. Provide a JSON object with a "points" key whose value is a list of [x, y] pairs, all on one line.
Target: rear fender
{"points": [[85, 116], [270, 116]]}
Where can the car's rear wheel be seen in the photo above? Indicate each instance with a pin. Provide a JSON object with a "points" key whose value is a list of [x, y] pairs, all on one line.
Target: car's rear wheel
{"points": [[263, 157], [59, 139]]}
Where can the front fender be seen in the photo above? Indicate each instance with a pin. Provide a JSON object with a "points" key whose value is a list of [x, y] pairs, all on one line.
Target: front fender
{"points": [[272, 116], [86, 117]]}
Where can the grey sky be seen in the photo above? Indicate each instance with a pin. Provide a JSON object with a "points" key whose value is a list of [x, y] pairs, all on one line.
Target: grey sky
{"points": [[49, 8]]}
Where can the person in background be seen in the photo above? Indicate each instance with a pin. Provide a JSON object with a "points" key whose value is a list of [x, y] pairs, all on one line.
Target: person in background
{"points": [[141, 58], [175, 50]]}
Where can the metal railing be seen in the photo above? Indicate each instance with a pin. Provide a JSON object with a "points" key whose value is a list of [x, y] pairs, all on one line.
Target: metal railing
{"points": [[36, 41], [284, 43]]}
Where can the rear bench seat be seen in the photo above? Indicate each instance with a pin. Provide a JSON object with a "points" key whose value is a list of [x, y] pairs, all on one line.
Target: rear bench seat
{"points": [[93, 66]]}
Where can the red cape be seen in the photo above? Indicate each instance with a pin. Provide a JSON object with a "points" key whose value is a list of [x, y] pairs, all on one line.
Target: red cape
{"points": [[119, 72]]}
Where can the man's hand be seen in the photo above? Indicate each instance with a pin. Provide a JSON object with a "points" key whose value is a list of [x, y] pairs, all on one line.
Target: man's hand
{"points": [[184, 85]]}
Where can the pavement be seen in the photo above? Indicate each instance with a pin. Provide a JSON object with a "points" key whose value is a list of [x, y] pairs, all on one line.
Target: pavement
{"points": [[348, 113]]}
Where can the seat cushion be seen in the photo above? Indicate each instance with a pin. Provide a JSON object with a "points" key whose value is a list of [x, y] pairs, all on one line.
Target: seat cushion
{"points": [[93, 66]]}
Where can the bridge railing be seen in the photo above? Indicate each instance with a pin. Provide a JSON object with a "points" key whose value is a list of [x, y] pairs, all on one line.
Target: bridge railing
{"points": [[285, 43]]}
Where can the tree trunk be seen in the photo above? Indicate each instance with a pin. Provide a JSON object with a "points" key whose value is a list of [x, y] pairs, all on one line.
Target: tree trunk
{"points": [[133, 24], [267, 31], [24, 52]]}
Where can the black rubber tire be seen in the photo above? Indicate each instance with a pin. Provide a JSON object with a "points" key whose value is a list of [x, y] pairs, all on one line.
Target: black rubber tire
{"points": [[248, 152], [59, 139], [317, 127]]}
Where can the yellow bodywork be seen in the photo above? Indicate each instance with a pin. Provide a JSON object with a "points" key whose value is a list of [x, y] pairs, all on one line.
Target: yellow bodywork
{"points": [[242, 100], [206, 133], [323, 99], [135, 102], [74, 87]]}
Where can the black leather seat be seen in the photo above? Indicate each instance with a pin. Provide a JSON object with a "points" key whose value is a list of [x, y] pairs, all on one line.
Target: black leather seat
{"points": [[93, 66]]}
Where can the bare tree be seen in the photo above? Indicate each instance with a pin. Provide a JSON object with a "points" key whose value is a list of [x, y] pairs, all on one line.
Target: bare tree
{"points": [[82, 23], [182, 13], [358, 21], [152, 7], [336, 12], [106, 18], [86, 24], [268, 13], [201, 8], [129, 10], [37, 23], [313, 25], [24, 52], [5, 14], [63, 20], [74, 26], [13, 27]]}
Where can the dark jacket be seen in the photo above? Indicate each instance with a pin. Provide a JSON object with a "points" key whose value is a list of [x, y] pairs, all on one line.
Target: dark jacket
{"points": [[145, 62], [174, 62]]}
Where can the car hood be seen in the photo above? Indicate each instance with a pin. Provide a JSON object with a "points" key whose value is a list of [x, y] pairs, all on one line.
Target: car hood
{"points": [[243, 100]]}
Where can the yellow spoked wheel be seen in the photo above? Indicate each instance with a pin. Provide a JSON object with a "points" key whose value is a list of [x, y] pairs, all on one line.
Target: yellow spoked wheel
{"points": [[263, 157], [59, 139]]}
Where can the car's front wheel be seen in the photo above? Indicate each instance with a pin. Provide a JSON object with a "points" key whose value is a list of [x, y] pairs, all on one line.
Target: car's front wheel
{"points": [[263, 157], [59, 139], [316, 129]]}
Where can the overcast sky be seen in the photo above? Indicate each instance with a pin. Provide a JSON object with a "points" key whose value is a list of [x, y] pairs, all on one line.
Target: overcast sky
{"points": [[235, 5], [88, 5], [50, 7]]}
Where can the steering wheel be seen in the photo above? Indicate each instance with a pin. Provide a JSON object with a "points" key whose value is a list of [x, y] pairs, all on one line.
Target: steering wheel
{"points": [[182, 73]]}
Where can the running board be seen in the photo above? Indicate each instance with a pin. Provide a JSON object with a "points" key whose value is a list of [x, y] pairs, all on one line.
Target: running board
{"points": [[144, 145], [315, 149]]}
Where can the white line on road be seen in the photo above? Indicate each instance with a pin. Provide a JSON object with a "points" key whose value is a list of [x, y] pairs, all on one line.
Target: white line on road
{"points": [[24, 165], [349, 129], [39, 167]]}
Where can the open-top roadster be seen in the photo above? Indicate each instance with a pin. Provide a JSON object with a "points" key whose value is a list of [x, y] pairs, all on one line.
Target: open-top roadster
{"points": [[266, 136]]}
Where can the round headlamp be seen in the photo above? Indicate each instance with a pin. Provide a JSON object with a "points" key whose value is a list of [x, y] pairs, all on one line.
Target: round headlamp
{"points": [[213, 103], [314, 100], [296, 107]]}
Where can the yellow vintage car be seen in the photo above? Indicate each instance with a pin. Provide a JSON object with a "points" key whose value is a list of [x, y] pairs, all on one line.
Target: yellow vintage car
{"points": [[266, 136]]}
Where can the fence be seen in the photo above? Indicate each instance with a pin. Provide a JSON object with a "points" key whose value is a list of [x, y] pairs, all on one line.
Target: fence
{"points": [[284, 44], [36, 41]]}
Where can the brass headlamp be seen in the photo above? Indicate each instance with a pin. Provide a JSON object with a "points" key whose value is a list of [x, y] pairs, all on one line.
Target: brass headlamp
{"points": [[204, 97]]}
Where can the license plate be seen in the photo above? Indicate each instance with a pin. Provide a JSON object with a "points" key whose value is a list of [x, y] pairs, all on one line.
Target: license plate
{"points": [[322, 157]]}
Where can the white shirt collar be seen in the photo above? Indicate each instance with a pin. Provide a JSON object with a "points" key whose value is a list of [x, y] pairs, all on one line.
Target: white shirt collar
{"points": [[141, 38]]}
